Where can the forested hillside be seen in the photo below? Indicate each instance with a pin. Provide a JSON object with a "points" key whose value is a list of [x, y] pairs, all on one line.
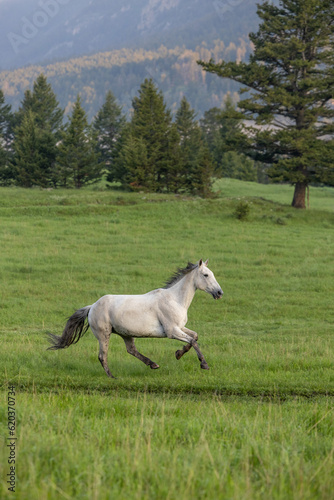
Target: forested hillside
{"points": [[175, 71], [92, 47]]}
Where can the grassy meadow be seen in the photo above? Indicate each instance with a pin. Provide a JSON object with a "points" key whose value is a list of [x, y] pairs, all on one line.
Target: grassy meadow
{"points": [[258, 425]]}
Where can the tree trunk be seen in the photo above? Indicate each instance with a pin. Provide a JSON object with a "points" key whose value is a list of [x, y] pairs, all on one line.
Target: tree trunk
{"points": [[299, 195]]}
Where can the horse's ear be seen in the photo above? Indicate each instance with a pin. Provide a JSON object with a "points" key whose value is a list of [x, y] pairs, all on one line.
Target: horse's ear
{"points": [[200, 263], [206, 262]]}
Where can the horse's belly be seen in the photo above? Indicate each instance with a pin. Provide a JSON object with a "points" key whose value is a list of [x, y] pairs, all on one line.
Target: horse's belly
{"points": [[133, 328], [135, 318]]}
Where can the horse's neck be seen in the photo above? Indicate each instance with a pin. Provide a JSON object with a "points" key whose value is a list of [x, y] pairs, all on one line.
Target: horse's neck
{"points": [[185, 290]]}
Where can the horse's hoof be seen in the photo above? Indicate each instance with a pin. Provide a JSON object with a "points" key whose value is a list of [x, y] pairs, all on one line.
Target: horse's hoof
{"points": [[205, 366], [178, 354], [154, 366]]}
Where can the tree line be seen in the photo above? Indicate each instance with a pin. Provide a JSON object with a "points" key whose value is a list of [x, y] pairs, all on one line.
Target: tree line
{"points": [[152, 151], [284, 125]]}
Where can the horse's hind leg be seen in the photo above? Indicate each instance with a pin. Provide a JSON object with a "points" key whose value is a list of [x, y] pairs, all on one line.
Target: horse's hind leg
{"points": [[103, 353], [132, 349], [103, 336], [186, 347]]}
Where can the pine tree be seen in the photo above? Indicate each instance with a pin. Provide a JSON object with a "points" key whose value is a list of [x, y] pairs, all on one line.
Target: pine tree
{"points": [[6, 118], [237, 166], [120, 164], [77, 159], [135, 162], [109, 124], [221, 128], [195, 160], [6, 138], [291, 79], [201, 183], [48, 118], [152, 123], [43, 103], [211, 125], [28, 161], [173, 177]]}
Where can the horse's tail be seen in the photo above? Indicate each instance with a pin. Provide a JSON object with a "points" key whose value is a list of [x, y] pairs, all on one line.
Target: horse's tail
{"points": [[75, 328]]}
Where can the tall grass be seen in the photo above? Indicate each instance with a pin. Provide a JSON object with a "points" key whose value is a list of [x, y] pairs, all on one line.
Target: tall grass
{"points": [[112, 445], [258, 425]]}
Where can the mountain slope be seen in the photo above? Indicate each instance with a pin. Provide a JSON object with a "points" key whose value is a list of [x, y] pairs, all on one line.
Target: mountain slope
{"points": [[174, 71], [40, 31], [89, 47]]}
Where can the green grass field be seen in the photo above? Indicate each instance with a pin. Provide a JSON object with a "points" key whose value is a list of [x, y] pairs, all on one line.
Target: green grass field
{"points": [[258, 425]]}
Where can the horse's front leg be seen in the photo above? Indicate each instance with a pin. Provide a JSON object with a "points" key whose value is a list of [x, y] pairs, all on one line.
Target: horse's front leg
{"points": [[178, 334], [187, 347]]}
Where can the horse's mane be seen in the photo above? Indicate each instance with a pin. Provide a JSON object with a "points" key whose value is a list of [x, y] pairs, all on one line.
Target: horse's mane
{"points": [[179, 274]]}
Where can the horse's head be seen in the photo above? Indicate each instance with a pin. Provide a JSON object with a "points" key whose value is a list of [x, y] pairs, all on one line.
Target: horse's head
{"points": [[206, 281]]}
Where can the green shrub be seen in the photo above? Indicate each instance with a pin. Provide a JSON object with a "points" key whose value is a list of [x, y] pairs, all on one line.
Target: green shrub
{"points": [[242, 210]]}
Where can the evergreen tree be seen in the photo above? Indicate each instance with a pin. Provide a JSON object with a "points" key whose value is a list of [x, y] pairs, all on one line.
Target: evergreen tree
{"points": [[48, 118], [120, 164], [201, 183], [77, 159], [6, 138], [194, 155], [108, 125], [291, 78], [6, 118], [43, 103], [174, 176], [135, 162], [221, 128], [151, 124], [211, 125], [28, 161], [238, 166], [159, 155]]}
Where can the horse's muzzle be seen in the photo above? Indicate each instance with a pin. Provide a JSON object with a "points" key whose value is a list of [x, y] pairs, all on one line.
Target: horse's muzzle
{"points": [[217, 294]]}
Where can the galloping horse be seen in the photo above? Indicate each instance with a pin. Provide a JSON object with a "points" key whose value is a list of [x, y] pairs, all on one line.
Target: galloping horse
{"points": [[158, 314]]}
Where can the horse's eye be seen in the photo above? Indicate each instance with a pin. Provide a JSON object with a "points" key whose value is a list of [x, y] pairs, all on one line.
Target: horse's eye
{"points": [[205, 275]]}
